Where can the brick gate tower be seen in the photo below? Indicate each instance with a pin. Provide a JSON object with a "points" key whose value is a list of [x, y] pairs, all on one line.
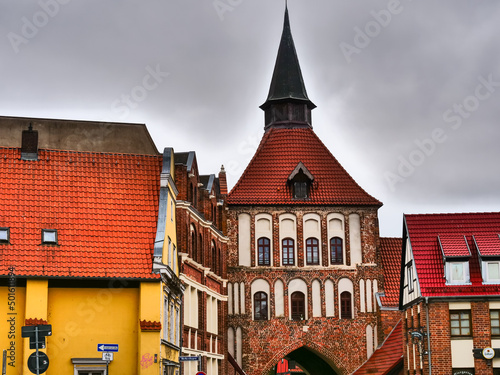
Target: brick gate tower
{"points": [[303, 263]]}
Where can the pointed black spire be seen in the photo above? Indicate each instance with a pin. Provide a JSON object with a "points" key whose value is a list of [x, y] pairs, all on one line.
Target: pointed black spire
{"points": [[287, 104]]}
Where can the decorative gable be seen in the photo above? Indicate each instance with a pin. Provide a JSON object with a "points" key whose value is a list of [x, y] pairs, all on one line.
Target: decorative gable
{"points": [[300, 181]]}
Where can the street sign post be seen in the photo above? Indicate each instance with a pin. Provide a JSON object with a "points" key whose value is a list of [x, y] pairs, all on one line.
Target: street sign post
{"points": [[38, 362], [107, 347], [107, 356]]}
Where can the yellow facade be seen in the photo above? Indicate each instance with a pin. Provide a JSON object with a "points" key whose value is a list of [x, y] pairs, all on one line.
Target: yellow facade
{"points": [[141, 317]]}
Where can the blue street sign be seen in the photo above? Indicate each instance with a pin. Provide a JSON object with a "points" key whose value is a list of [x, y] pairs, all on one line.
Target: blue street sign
{"points": [[197, 358], [107, 347]]}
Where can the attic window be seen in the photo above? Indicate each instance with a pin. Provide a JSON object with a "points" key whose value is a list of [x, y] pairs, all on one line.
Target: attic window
{"points": [[4, 235], [49, 236], [301, 180], [456, 254]]}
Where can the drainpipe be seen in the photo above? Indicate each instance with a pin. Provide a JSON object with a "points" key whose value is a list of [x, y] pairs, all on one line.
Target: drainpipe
{"points": [[428, 333]]}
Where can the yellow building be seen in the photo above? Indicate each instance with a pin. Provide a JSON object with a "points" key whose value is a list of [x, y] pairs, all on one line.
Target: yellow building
{"points": [[88, 246]]}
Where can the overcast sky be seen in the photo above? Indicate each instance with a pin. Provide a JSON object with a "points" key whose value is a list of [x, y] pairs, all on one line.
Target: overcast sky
{"points": [[407, 91]]}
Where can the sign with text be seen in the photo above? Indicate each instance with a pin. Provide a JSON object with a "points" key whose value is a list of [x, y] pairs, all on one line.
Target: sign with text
{"points": [[189, 358], [107, 347]]}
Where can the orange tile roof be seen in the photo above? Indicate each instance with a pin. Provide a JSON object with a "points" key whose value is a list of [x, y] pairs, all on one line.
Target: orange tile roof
{"points": [[104, 207], [390, 252], [387, 357], [264, 181]]}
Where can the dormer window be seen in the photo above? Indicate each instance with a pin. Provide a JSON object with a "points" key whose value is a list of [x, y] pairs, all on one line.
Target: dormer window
{"points": [[4, 235], [456, 255], [49, 236], [488, 247], [300, 180]]}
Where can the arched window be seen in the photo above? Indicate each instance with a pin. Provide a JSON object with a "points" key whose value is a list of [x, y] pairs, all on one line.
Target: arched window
{"points": [[298, 306], [200, 250], [345, 305], [312, 251], [264, 251], [194, 248], [336, 256], [288, 252], [214, 257], [260, 306]]}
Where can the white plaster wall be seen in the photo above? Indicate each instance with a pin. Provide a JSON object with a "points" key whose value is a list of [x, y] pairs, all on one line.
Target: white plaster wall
{"points": [[229, 299], [355, 239], [362, 295], [461, 353], [336, 228], [239, 346], [242, 297], [230, 341], [263, 228], [329, 298], [375, 290], [316, 298], [369, 341], [244, 256], [279, 303], [236, 293], [369, 295]]}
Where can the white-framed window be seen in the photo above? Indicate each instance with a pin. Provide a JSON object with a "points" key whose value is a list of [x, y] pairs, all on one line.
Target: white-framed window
{"points": [[165, 318], [89, 366], [457, 272], [491, 271], [4, 235], [169, 255], [171, 209], [49, 236]]}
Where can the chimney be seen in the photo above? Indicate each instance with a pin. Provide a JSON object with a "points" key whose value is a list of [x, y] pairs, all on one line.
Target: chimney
{"points": [[29, 145], [222, 181]]}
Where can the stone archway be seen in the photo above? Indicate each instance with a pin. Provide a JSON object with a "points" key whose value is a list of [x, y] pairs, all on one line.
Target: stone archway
{"points": [[311, 361]]}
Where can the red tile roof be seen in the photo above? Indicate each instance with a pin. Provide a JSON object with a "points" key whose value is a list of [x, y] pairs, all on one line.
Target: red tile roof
{"points": [[104, 207], [264, 181], [488, 244], [147, 325], [423, 231], [387, 357], [453, 245], [390, 253]]}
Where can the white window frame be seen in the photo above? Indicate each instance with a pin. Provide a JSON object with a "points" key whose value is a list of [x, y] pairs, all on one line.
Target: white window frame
{"points": [[465, 272], [485, 271]]}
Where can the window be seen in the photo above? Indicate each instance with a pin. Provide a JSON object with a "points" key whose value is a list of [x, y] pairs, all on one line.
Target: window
{"points": [[171, 209], [312, 251], [264, 250], [409, 275], [491, 271], [193, 244], [336, 251], [165, 318], [297, 301], [457, 272], [214, 257], [300, 190], [495, 322], [4, 235], [49, 236], [288, 252], [345, 305], [460, 323], [260, 306]]}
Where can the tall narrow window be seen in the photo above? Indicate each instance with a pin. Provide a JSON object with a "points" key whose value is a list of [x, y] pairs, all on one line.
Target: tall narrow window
{"points": [[264, 250], [495, 322], [260, 306], [214, 257], [312, 251], [345, 305], [336, 255], [297, 301], [194, 249], [288, 252]]}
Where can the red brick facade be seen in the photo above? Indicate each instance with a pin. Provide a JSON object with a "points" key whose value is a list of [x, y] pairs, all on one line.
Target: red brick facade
{"points": [[339, 342], [202, 245]]}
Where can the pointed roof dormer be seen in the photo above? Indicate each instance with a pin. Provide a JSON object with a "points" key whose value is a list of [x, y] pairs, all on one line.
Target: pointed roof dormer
{"points": [[287, 103]]}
